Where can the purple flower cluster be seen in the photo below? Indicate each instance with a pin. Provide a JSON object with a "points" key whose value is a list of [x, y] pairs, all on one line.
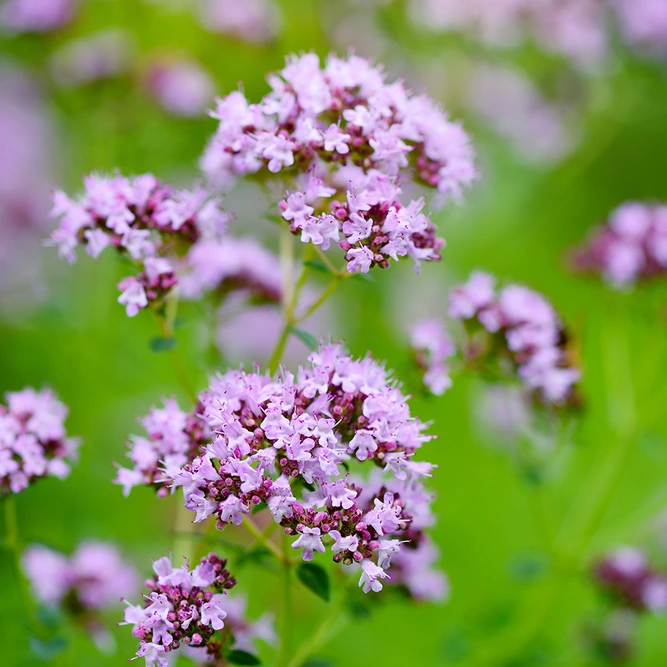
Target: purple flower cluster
{"points": [[145, 220], [181, 87], [93, 578], [19, 16], [189, 610], [348, 135], [432, 347], [643, 23], [371, 225], [524, 330], [286, 444], [631, 247], [33, 442], [174, 438], [250, 20], [631, 582], [575, 29]]}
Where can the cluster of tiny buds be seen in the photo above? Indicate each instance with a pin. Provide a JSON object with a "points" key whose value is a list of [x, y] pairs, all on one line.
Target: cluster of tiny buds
{"points": [[628, 579]]}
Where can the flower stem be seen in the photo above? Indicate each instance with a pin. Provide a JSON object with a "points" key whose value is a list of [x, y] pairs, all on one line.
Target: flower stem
{"points": [[12, 543], [263, 539], [320, 635], [572, 543], [166, 324], [286, 618]]}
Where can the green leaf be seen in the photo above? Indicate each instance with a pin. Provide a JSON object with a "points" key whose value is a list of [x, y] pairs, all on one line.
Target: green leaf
{"points": [[528, 567], [316, 265], [318, 662], [257, 556], [305, 337], [364, 277], [47, 649], [237, 657], [359, 610], [315, 578], [160, 344]]}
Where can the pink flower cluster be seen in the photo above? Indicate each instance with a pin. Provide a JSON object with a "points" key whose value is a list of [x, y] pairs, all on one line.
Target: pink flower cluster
{"points": [[33, 442], [250, 20], [575, 29], [432, 347], [35, 15], [174, 438], [631, 247], [371, 225], [93, 578], [145, 220], [631, 582], [189, 610], [524, 329], [348, 135], [181, 87], [643, 23], [286, 444]]}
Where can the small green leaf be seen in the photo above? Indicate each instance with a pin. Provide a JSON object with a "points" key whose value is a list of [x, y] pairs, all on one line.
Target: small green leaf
{"points": [[316, 265], [305, 337], [364, 277], [47, 649], [315, 578], [318, 662], [161, 344], [257, 556], [237, 657], [527, 567], [359, 610]]}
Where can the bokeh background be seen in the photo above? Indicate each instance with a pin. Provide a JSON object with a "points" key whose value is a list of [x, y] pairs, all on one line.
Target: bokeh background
{"points": [[563, 135]]}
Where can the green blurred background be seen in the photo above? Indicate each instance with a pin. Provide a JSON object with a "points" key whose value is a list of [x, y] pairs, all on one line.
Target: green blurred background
{"points": [[518, 222]]}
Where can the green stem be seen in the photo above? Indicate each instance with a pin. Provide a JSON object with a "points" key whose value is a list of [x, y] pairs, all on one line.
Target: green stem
{"points": [[320, 635], [289, 307], [286, 618], [264, 540], [166, 324], [183, 536], [12, 543], [575, 536], [331, 288]]}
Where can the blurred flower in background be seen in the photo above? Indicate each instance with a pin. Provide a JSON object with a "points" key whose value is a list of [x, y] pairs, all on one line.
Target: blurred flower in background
{"points": [[511, 104], [181, 87], [249, 20], [17, 16], [94, 57], [27, 164], [92, 580], [643, 24]]}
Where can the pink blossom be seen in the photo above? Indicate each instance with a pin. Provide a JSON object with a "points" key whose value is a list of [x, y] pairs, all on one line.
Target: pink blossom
{"points": [[33, 441], [182, 88], [36, 15]]}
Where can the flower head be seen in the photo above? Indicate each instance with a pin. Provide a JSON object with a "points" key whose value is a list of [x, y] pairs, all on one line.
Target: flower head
{"points": [[286, 443], [92, 579], [190, 610], [348, 135], [626, 576], [631, 247], [521, 327], [143, 219], [33, 441]]}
